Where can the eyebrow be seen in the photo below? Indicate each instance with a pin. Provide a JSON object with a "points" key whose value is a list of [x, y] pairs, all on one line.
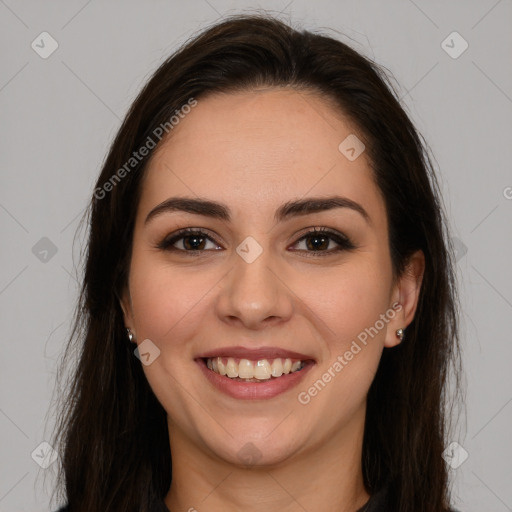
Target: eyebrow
{"points": [[288, 210]]}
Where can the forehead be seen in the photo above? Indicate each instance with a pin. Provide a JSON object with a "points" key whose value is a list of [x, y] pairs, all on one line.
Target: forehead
{"points": [[260, 147]]}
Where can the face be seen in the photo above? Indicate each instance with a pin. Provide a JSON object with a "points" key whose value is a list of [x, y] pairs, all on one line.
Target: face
{"points": [[256, 277]]}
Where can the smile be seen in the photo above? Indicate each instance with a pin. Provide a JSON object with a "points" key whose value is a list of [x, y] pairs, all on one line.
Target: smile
{"points": [[255, 387], [245, 370]]}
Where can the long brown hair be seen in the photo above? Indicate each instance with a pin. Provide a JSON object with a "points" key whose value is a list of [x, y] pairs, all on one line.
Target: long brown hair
{"points": [[111, 430]]}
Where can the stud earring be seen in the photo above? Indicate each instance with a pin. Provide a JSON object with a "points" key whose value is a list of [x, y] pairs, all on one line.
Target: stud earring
{"points": [[130, 335], [400, 333]]}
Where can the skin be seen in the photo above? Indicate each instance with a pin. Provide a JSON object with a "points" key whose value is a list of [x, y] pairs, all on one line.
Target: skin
{"points": [[255, 151]]}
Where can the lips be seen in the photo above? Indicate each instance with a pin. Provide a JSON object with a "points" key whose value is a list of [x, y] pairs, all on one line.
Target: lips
{"points": [[255, 354], [254, 390], [248, 388]]}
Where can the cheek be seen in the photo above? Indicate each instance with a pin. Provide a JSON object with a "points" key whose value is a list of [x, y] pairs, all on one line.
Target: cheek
{"points": [[351, 299], [165, 300], [349, 304]]}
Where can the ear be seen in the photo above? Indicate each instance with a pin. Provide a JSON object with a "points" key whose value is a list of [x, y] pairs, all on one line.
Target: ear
{"points": [[125, 302], [406, 293]]}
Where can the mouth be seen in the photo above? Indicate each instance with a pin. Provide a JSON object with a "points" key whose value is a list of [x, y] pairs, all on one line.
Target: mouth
{"points": [[245, 370], [255, 376]]}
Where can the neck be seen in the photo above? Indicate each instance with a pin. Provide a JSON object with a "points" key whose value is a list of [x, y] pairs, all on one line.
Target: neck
{"points": [[327, 476]]}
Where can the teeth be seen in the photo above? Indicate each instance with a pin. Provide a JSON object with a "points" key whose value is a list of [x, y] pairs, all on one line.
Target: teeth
{"points": [[294, 368], [231, 368], [253, 371], [245, 369], [221, 366], [262, 370], [277, 368]]}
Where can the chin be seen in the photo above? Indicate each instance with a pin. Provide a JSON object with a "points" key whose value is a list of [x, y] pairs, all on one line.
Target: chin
{"points": [[256, 452]]}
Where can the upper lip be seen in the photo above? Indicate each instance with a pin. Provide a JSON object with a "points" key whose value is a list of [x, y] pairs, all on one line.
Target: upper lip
{"points": [[255, 354]]}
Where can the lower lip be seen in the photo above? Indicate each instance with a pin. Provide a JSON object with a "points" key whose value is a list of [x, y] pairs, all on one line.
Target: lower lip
{"points": [[255, 390]]}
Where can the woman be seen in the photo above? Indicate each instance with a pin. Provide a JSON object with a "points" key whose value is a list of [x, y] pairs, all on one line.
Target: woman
{"points": [[268, 312]]}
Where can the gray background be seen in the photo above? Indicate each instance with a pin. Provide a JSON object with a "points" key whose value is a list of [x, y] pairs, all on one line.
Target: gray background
{"points": [[60, 114]]}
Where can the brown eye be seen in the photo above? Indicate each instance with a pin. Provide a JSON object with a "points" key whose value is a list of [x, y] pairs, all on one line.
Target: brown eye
{"points": [[187, 240], [319, 240]]}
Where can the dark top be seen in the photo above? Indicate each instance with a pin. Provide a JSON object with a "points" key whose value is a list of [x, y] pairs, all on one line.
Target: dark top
{"points": [[377, 503]]}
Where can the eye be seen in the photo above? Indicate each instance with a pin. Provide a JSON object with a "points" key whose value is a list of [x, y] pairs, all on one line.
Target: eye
{"points": [[187, 240], [319, 240]]}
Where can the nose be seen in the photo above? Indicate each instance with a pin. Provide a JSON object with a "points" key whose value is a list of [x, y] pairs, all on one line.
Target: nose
{"points": [[254, 294]]}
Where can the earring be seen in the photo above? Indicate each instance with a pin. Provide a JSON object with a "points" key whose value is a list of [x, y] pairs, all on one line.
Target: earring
{"points": [[400, 333], [130, 335]]}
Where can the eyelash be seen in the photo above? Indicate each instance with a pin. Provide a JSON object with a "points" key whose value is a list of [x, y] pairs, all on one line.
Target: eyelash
{"points": [[345, 244]]}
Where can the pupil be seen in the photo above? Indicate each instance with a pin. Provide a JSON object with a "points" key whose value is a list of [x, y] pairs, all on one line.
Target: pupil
{"points": [[195, 245], [315, 243]]}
